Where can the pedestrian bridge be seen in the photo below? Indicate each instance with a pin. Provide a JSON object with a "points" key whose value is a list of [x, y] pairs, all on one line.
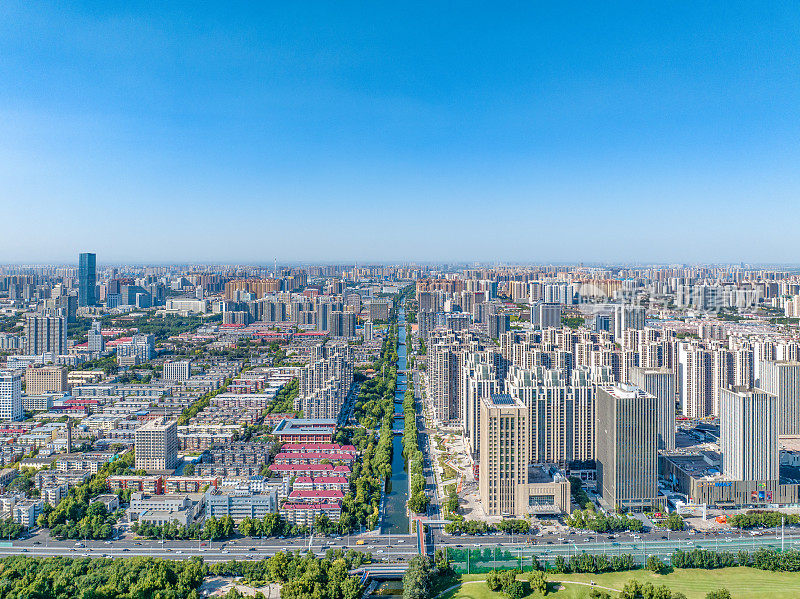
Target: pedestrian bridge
{"points": [[369, 572]]}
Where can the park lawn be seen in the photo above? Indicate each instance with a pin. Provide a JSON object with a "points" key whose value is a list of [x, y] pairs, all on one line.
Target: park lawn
{"points": [[743, 583]]}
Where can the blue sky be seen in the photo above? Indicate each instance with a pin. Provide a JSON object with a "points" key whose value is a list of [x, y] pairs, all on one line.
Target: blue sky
{"points": [[413, 131]]}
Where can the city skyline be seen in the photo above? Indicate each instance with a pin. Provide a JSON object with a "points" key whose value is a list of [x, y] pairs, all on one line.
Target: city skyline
{"points": [[617, 134]]}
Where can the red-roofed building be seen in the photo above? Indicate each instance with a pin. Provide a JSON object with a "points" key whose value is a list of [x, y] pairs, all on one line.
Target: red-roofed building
{"points": [[319, 447], [322, 483], [311, 470], [313, 458], [306, 496]]}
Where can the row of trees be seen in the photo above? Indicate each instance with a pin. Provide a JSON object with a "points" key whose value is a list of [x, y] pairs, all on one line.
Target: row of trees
{"points": [[763, 559], [213, 529], [589, 519], [200, 404], [284, 399], [418, 499], [302, 576], [67, 578], [766, 518], [593, 564], [468, 527], [478, 527], [374, 409]]}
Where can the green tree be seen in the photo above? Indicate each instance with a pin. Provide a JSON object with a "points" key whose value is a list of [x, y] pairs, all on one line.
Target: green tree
{"points": [[538, 581], [418, 579], [654, 564]]}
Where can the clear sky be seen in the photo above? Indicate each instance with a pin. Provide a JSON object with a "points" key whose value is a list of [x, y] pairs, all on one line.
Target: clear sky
{"points": [[332, 131]]}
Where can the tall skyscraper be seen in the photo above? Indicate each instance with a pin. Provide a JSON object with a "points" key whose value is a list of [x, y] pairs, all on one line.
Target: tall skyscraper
{"points": [[10, 395], [87, 279], [627, 437], [661, 383], [749, 434]]}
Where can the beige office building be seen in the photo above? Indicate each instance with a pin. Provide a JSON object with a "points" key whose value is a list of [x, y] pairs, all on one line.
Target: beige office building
{"points": [[507, 485], [503, 453], [46, 379]]}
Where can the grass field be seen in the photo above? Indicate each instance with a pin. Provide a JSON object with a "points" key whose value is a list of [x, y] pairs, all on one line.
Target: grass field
{"points": [[743, 583]]}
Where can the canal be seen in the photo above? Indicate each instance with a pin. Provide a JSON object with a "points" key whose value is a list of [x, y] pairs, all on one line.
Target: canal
{"points": [[395, 518]]}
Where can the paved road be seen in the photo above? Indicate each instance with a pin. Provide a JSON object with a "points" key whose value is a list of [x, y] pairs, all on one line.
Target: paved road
{"points": [[395, 547]]}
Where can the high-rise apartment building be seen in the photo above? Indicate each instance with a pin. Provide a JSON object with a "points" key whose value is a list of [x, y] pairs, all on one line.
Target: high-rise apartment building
{"points": [[46, 334], [627, 437], [156, 445], [628, 317], [782, 379], [10, 395], [561, 415], [479, 379], [659, 382], [749, 434], [342, 324], [369, 331], [545, 315], [325, 382], [694, 381], [87, 279], [96, 343]]}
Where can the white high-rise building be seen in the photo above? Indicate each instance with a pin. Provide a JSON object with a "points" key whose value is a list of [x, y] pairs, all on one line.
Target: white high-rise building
{"points": [[10, 395], [178, 370], [156, 445], [660, 382], [694, 381], [782, 379], [628, 317], [749, 434]]}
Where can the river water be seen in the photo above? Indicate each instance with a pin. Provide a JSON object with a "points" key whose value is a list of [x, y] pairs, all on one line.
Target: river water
{"points": [[395, 519]]}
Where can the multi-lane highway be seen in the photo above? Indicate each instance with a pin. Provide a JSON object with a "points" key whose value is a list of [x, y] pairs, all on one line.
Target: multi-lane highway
{"points": [[388, 547]]}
